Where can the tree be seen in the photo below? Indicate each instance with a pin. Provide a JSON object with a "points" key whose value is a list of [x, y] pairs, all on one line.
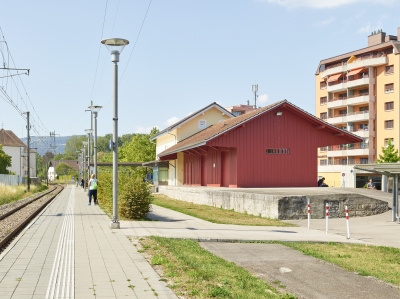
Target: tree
{"points": [[139, 149], [389, 154], [103, 143], [62, 168], [5, 161], [72, 146]]}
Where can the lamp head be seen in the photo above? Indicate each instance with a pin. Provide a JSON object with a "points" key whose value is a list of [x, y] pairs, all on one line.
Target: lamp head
{"points": [[95, 109], [115, 46]]}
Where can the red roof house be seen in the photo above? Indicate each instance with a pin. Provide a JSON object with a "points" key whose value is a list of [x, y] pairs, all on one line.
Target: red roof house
{"points": [[274, 146]]}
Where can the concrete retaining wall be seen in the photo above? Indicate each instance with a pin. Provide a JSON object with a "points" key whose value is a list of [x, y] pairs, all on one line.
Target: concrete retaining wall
{"points": [[278, 206]]}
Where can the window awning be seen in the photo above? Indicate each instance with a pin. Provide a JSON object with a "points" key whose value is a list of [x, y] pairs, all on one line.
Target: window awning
{"points": [[334, 77], [355, 72]]}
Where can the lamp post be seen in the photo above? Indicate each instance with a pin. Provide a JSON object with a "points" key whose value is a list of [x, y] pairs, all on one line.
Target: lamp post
{"points": [[115, 46], [95, 110], [89, 132], [83, 164]]}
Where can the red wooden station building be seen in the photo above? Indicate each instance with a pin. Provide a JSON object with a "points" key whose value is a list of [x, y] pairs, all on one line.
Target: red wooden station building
{"points": [[274, 146]]}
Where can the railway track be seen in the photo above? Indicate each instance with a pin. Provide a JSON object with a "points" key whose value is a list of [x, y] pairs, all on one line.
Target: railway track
{"points": [[17, 215]]}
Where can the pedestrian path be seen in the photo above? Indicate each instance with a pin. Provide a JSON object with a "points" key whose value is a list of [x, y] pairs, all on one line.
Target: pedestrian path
{"points": [[69, 251]]}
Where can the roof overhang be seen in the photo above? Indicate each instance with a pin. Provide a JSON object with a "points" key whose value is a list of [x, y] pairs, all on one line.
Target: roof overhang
{"points": [[389, 169]]}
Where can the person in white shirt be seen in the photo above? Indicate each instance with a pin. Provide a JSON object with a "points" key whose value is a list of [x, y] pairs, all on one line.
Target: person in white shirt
{"points": [[92, 189]]}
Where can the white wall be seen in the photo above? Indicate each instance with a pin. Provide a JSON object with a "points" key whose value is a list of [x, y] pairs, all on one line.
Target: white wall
{"points": [[15, 153]]}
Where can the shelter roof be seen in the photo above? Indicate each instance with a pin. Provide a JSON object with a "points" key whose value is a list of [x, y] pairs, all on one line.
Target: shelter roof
{"points": [[189, 117], [221, 127], [382, 168]]}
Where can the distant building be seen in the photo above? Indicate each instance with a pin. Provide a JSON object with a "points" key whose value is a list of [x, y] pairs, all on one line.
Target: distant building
{"points": [[51, 173], [240, 109], [274, 146], [359, 91], [14, 147]]}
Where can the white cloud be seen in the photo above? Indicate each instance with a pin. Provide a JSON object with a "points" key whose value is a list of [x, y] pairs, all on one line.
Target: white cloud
{"points": [[144, 130], [324, 3], [262, 99], [172, 120], [324, 22]]}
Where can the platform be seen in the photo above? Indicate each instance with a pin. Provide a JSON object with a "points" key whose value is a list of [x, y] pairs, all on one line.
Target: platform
{"points": [[69, 251]]}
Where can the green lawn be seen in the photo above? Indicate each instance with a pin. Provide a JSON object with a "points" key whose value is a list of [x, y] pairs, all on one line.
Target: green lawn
{"points": [[215, 215], [193, 272]]}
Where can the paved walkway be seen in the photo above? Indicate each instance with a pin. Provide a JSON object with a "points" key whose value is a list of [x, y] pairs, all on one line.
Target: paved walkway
{"points": [[69, 251]]}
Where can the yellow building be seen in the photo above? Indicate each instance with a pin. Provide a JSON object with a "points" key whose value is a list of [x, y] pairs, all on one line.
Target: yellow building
{"points": [[359, 91], [172, 173]]}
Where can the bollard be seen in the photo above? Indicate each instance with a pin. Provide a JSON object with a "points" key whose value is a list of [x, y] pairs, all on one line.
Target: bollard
{"points": [[327, 217], [308, 215], [347, 222]]}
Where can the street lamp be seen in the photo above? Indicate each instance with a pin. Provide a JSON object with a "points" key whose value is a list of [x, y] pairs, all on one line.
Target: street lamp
{"points": [[95, 110], [115, 46], [83, 164], [89, 132]]}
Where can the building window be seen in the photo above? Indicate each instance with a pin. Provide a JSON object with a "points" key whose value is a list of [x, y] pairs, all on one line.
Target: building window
{"points": [[343, 112], [388, 124], [322, 100], [389, 106], [322, 85], [323, 115], [387, 141], [202, 124], [363, 160], [363, 127], [389, 70], [363, 92], [389, 88], [236, 113], [343, 96], [323, 149], [323, 162], [277, 151], [364, 108]]}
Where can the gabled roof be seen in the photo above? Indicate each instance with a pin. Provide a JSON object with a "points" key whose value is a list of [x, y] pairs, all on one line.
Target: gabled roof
{"points": [[191, 116], [8, 138], [222, 127]]}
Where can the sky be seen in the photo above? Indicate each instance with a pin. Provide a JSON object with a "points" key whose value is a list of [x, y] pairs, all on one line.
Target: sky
{"points": [[183, 55]]}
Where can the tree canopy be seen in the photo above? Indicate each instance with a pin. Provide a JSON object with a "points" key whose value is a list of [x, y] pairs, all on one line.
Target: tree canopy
{"points": [[62, 168], [389, 154], [139, 149], [72, 146], [5, 161]]}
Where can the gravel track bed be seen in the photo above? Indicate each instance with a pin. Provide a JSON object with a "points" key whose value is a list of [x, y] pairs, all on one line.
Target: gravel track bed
{"points": [[12, 205], [11, 222]]}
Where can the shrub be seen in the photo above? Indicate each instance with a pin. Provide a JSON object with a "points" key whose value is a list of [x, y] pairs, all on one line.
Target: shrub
{"points": [[133, 195]]}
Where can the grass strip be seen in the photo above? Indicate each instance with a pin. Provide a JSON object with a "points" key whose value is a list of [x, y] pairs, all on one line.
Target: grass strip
{"points": [[193, 272], [214, 215], [377, 261], [12, 193]]}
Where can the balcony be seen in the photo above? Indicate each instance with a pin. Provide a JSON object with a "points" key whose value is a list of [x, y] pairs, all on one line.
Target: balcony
{"points": [[361, 133], [373, 60], [353, 149], [337, 119], [358, 116], [337, 103], [342, 152], [337, 86], [358, 99], [357, 82], [334, 70]]}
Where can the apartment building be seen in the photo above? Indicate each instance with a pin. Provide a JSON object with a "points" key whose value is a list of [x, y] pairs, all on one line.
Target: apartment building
{"points": [[359, 91]]}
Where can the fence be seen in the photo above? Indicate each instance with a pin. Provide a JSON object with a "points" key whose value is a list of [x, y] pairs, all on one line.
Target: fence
{"points": [[11, 180]]}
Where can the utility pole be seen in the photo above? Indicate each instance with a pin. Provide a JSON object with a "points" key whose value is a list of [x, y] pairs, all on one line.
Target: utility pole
{"points": [[254, 88], [28, 141], [53, 134]]}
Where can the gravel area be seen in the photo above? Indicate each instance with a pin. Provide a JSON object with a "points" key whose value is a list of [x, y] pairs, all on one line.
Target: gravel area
{"points": [[8, 224]]}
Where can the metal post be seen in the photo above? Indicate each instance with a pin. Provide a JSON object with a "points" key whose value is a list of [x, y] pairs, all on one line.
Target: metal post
{"points": [[327, 217], [395, 197], [84, 170], [115, 221], [95, 144], [308, 213], [28, 142], [88, 170]]}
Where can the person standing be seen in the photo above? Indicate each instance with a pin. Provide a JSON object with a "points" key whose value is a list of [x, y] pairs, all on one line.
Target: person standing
{"points": [[77, 182], [92, 189], [371, 184], [82, 183]]}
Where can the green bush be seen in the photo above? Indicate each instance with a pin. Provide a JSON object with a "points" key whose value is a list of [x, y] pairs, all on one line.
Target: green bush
{"points": [[133, 195]]}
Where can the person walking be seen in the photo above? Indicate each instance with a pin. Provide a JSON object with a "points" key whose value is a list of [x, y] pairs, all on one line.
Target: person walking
{"points": [[92, 189], [82, 183]]}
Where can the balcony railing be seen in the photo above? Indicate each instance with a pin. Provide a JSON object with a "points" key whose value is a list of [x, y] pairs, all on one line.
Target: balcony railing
{"points": [[358, 112], [350, 161], [349, 146]]}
